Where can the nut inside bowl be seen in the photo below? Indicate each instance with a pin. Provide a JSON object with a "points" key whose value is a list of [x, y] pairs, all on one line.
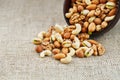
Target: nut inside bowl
{"points": [[111, 24]]}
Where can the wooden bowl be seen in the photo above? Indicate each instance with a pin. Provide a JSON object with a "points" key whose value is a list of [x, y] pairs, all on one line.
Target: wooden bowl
{"points": [[111, 24]]}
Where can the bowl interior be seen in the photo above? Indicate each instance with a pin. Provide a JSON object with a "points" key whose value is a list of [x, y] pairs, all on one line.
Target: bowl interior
{"points": [[67, 5]]}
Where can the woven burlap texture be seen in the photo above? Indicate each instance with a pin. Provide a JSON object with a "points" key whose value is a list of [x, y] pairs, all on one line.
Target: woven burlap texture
{"points": [[21, 20]]}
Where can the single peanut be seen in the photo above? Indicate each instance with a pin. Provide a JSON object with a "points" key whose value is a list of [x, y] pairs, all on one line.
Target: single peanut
{"points": [[59, 56], [91, 27], [91, 7], [64, 50], [56, 51], [98, 28], [86, 24], [80, 53], [72, 37], [91, 13], [80, 8], [57, 44], [97, 21], [67, 35]]}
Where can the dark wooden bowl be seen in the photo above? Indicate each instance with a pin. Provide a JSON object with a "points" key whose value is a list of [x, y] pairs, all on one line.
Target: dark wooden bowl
{"points": [[95, 34]]}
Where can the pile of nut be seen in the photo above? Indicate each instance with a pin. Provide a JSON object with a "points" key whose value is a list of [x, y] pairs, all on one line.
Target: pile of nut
{"points": [[64, 42], [93, 15]]}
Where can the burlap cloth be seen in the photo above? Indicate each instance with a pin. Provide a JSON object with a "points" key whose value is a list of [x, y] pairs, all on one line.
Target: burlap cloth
{"points": [[21, 20]]}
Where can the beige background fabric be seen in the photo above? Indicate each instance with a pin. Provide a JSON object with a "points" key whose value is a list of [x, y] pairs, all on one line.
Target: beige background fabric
{"points": [[21, 20]]}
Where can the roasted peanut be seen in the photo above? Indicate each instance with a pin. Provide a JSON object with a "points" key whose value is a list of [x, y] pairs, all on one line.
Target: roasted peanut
{"points": [[83, 36], [80, 8], [97, 21], [66, 35], [65, 50], [56, 51], [80, 53], [91, 27], [71, 51], [57, 44], [91, 13], [86, 24], [45, 53], [91, 7], [59, 56]]}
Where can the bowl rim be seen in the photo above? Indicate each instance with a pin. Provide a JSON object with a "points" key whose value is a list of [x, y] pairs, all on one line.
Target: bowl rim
{"points": [[94, 34]]}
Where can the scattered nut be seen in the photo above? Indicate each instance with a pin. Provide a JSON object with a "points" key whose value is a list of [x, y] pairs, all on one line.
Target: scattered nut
{"points": [[59, 56], [77, 30], [57, 44], [91, 13], [84, 12], [66, 60], [80, 53], [45, 53], [64, 50], [91, 7], [91, 27], [56, 51], [97, 21], [72, 51], [39, 48], [67, 35], [76, 43], [104, 24]]}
